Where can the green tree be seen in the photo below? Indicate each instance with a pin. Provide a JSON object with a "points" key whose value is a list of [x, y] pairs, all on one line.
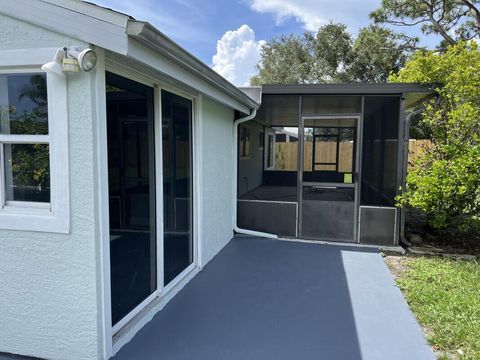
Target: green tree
{"points": [[378, 52], [445, 181], [453, 20], [332, 55], [285, 60]]}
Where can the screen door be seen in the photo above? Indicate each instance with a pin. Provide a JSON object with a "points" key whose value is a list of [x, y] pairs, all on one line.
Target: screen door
{"points": [[328, 180]]}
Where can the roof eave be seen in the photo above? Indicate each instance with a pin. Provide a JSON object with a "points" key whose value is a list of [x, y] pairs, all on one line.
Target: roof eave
{"points": [[356, 88], [149, 36]]}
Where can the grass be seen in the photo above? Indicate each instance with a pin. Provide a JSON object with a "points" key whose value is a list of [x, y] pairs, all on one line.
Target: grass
{"points": [[445, 298]]}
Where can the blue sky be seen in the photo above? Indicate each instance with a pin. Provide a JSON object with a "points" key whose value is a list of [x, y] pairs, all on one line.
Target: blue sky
{"points": [[199, 25]]}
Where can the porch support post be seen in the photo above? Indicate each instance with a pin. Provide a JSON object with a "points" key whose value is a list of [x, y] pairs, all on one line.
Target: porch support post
{"points": [[357, 175], [300, 165], [402, 164]]}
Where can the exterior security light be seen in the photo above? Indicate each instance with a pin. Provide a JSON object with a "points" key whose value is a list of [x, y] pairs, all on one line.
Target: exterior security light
{"points": [[55, 66], [70, 65], [87, 59]]}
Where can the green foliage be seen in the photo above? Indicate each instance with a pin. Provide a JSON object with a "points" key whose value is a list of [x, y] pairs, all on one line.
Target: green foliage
{"points": [[30, 163], [417, 129], [377, 53], [444, 297], [285, 60], [332, 55], [445, 181], [29, 123], [453, 20], [332, 47]]}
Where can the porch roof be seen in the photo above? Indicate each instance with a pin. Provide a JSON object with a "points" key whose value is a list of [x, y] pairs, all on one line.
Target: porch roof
{"points": [[414, 93], [353, 88]]}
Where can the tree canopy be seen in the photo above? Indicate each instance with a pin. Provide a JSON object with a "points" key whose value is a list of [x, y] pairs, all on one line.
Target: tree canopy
{"points": [[332, 55], [286, 59], [377, 52], [453, 20], [444, 182]]}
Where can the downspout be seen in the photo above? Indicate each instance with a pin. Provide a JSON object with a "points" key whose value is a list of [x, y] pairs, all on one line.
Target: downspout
{"points": [[238, 230], [408, 119]]}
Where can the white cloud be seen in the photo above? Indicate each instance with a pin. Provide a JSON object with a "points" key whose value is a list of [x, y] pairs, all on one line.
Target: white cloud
{"points": [[315, 13], [237, 54], [302, 11]]}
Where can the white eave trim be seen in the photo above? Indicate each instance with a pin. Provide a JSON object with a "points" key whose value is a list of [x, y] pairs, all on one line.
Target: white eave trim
{"points": [[150, 37]]}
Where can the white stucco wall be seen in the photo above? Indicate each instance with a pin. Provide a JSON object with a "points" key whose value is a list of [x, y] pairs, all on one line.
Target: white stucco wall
{"points": [[217, 175], [48, 282]]}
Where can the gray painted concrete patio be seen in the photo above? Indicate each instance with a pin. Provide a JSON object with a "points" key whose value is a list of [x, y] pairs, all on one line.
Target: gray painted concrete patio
{"points": [[269, 299]]}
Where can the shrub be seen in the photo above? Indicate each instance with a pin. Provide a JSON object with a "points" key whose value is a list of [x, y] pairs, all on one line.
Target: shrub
{"points": [[445, 181]]}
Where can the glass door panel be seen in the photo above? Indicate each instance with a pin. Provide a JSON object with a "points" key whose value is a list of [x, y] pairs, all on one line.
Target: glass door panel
{"points": [[177, 184], [131, 174]]}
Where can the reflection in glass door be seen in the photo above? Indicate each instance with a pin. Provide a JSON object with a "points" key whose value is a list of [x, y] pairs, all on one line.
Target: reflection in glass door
{"points": [[177, 184], [328, 181], [131, 177]]}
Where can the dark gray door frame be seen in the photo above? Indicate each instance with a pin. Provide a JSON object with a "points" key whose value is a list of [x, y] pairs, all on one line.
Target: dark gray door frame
{"points": [[357, 153]]}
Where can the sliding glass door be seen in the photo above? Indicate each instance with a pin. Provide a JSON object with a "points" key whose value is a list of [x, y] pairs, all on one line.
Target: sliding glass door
{"points": [[132, 198], [177, 184], [131, 176]]}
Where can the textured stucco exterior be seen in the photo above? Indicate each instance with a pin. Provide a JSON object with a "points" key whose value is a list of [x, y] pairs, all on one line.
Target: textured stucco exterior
{"points": [[48, 282], [217, 179], [17, 34]]}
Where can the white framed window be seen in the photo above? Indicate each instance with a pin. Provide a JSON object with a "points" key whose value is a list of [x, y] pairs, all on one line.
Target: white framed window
{"points": [[34, 185]]}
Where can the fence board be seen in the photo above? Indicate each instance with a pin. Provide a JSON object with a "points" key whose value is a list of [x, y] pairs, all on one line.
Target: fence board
{"points": [[286, 154]]}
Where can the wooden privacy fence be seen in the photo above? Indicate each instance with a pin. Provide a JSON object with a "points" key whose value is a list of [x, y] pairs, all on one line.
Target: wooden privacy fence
{"points": [[286, 154], [417, 147]]}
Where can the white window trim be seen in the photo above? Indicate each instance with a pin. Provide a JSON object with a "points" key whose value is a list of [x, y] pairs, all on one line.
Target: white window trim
{"points": [[53, 217]]}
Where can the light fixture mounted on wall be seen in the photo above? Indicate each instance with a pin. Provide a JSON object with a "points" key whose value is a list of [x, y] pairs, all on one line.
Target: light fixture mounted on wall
{"points": [[71, 60], [55, 66], [86, 59]]}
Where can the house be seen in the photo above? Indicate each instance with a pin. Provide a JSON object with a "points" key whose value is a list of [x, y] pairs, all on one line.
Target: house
{"points": [[119, 171]]}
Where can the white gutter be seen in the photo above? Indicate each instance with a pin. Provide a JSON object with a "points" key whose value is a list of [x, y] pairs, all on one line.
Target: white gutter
{"points": [[236, 123], [406, 140], [152, 38]]}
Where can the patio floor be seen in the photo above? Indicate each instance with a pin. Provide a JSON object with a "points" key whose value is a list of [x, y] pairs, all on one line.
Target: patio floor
{"points": [[269, 299]]}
